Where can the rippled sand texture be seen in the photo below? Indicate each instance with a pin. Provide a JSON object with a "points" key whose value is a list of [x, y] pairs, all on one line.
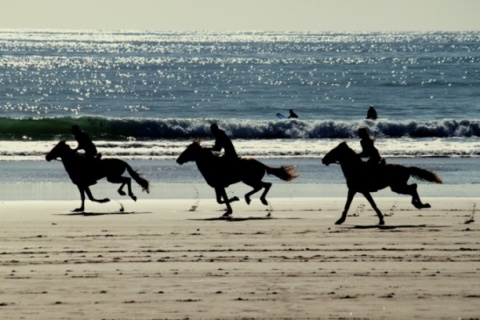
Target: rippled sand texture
{"points": [[174, 259]]}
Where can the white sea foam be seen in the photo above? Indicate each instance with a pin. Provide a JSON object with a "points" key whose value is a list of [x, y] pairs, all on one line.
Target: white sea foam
{"points": [[271, 148]]}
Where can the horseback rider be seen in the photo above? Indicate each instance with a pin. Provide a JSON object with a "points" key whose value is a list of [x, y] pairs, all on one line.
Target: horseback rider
{"points": [[368, 149], [222, 141], [85, 143]]}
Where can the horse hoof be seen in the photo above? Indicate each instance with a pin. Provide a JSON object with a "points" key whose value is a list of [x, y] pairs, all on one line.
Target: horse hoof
{"points": [[78, 210], [340, 221], [265, 202], [248, 200], [381, 223], [422, 205], [122, 193], [133, 198], [235, 199]]}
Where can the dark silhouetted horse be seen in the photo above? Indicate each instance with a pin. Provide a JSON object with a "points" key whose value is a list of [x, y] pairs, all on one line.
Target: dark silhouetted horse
{"points": [[219, 173], [364, 178], [85, 172]]}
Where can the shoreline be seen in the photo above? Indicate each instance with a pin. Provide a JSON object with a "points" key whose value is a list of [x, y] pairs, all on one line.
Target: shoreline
{"points": [[67, 191], [42, 180], [175, 259]]}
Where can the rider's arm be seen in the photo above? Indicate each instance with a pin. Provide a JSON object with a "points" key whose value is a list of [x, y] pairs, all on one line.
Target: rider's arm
{"points": [[217, 146]]}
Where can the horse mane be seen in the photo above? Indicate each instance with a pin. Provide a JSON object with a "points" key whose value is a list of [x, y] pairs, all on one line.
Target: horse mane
{"points": [[347, 147], [197, 144], [64, 142]]}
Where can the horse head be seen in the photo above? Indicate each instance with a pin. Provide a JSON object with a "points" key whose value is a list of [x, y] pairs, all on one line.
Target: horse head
{"points": [[190, 153], [337, 154], [58, 151]]}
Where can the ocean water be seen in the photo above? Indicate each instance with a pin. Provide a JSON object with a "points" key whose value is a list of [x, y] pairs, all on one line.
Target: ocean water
{"points": [[144, 96]]}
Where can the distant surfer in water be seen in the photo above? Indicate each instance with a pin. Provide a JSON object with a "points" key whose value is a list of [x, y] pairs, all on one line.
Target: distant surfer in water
{"points": [[292, 115], [368, 149], [85, 143], [372, 113], [222, 141]]}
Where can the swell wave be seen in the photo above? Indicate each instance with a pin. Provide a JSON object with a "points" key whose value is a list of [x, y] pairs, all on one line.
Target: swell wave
{"points": [[153, 129]]}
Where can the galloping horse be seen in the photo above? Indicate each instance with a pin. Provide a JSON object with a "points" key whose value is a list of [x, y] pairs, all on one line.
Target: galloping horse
{"points": [[85, 172], [365, 178], [219, 173]]}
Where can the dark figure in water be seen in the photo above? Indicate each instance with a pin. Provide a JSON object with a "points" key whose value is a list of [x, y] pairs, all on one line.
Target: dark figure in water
{"points": [[292, 115], [84, 143], [372, 113]]}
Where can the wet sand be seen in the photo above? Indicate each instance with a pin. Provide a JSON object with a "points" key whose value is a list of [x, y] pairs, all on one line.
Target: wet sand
{"points": [[175, 259]]}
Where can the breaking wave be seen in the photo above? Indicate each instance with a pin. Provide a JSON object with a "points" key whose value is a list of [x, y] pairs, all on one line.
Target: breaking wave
{"points": [[153, 129]]}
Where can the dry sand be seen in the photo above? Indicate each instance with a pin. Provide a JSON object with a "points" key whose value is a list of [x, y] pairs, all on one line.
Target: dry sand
{"points": [[173, 259]]}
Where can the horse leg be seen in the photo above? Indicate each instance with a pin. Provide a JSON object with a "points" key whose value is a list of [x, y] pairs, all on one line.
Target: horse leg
{"points": [[124, 181], [90, 196], [233, 199], [227, 200], [416, 198], [82, 197], [350, 196], [257, 187], [257, 184], [412, 191], [221, 201], [420, 205], [267, 186], [374, 206], [255, 190], [221, 193]]}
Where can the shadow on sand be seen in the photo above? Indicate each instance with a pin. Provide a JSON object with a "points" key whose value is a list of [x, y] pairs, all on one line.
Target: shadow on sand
{"points": [[239, 219], [95, 214], [391, 227]]}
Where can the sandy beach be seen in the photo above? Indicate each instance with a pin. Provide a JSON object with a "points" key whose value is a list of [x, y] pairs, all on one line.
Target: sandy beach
{"points": [[174, 259]]}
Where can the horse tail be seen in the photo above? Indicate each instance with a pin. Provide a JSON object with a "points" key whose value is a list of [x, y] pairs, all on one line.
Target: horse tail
{"points": [[424, 175], [286, 173], [139, 179]]}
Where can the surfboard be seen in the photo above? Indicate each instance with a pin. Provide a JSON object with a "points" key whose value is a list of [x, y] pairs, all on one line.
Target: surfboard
{"points": [[281, 116]]}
